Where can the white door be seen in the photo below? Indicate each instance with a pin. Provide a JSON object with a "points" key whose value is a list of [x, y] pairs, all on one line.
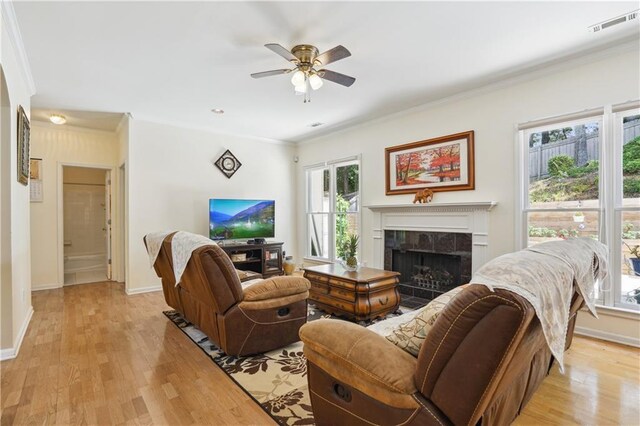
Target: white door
{"points": [[107, 225]]}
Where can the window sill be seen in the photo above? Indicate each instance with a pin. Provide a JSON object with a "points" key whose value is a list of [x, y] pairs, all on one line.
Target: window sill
{"points": [[317, 260], [616, 312]]}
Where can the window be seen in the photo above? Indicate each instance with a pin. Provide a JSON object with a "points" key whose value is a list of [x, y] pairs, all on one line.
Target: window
{"points": [[582, 180], [333, 207], [626, 223]]}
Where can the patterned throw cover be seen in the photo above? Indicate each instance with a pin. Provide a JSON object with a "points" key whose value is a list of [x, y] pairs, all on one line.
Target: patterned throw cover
{"points": [[544, 275], [182, 245], [154, 242]]}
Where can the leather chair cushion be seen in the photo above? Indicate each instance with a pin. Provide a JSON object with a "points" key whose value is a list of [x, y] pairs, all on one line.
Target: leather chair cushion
{"points": [[362, 359], [273, 288], [411, 335]]}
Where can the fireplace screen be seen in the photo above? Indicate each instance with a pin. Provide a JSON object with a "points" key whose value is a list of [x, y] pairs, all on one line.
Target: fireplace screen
{"points": [[427, 270], [430, 263]]}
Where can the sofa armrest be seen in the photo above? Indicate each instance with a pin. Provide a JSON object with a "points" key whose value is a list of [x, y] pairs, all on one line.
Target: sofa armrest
{"points": [[276, 287], [362, 359], [247, 275]]}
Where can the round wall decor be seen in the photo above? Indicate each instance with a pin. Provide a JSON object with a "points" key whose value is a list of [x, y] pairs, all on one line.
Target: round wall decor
{"points": [[228, 163]]}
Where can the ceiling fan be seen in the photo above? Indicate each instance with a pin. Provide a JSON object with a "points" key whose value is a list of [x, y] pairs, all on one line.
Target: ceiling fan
{"points": [[306, 61]]}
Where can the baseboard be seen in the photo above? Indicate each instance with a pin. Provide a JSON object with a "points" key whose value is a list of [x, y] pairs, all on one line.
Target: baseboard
{"points": [[132, 291], [46, 287], [11, 353], [605, 335]]}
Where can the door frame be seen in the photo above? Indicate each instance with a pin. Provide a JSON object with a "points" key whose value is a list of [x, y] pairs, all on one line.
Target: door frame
{"points": [[60, 213]]}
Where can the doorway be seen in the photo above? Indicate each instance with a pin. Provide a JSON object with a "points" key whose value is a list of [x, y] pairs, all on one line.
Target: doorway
{"points": [[86, 196]]}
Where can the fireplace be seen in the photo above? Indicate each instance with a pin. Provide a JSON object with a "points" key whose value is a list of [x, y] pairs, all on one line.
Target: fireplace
{"points": [[441, 237], [430, 263]]}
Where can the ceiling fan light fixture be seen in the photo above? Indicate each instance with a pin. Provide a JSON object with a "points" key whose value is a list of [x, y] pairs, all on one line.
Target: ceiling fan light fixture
{"points": [[301, 88], [298, 78], [315, 81], [57, 119]]}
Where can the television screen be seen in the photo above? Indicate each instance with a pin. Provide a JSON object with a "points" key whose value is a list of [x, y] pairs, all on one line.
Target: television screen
{"points": [[239, 219]]}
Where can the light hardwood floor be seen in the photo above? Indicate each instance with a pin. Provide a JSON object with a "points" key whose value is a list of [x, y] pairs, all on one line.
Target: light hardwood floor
{"points": [[93, 355]]}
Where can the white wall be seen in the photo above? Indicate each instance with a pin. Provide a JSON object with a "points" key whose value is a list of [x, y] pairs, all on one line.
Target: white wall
{"points": [[16, 276], [608, 78], [121, 217], [56, 145], [172, 177]]}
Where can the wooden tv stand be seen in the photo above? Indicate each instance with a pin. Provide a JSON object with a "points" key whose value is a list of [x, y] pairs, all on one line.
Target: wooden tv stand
{"points": [[265, 259]]}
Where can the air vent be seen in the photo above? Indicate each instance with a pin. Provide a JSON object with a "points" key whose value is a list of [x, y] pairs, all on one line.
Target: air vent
{"points": [[316, 124], [615, 21]]}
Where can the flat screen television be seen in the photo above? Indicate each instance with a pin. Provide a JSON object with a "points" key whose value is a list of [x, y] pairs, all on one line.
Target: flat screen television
{"points": [[231, 219]]}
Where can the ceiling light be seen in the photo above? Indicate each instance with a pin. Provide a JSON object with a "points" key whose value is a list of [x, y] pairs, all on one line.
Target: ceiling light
{"points": [[217, 111], [298, 78], [57, 119], [305, 58], [315, 81], [301, 88]]}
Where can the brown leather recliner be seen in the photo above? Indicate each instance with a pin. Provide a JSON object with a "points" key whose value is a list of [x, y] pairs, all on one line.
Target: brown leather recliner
{"points": [[480, 364], [261, 317]]}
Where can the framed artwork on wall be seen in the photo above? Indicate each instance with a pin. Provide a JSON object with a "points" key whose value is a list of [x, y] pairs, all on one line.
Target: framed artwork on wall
{"points": [[35, 180], [440, 164], [23, 147]]}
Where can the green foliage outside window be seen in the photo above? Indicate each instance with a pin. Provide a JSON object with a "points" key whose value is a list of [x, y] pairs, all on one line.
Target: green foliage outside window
{"points": [[631, 157], [342, 225], [560, 165]]}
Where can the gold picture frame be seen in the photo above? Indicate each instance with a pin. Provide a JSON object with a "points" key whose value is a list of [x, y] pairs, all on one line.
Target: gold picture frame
{"points": [[23, 147], [440, 164]]}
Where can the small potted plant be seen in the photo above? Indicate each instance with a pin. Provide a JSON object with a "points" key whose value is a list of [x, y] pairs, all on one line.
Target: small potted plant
{"points": [[578, 217], [635, 252], [350, 250]]}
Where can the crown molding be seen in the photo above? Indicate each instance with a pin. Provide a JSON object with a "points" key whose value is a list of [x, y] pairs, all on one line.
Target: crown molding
{"points": [[66, 128], [124, 120], [526, 73], [189, 126], [13, 29]]}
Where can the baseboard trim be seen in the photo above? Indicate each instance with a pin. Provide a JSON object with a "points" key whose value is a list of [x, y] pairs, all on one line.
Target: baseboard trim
{"points": [[605, 335], [132, 291], [11, 353], [46, 287]]}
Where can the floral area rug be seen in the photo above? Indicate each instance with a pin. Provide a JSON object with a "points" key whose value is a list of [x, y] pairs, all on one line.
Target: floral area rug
{"points": [[276, 380]]}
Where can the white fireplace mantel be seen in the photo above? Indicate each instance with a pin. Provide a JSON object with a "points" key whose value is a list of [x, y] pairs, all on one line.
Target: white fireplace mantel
{"points": [[464, 217]]}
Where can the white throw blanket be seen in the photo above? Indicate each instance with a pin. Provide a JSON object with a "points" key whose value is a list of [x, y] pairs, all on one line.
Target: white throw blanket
{"points": [[182, 246], [154, 243], [544, 274]]}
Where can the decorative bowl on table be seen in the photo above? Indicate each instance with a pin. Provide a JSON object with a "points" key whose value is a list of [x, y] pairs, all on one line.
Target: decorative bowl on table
{"points": [[349, 268]]}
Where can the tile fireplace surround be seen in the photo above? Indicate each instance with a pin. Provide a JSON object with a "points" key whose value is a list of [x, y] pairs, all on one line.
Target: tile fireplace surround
{"points": [[463, 218]]}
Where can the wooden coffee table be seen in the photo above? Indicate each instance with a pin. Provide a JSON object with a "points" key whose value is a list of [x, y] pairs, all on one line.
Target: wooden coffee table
{"points": [[361, 295]]}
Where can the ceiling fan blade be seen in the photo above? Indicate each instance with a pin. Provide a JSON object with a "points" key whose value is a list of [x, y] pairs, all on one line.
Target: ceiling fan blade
{"points": [[335, 54], [276, 48], [269, 73], [336, 77]]}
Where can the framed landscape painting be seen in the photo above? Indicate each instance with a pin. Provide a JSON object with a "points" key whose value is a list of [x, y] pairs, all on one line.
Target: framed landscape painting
{"points": [[23, 147], [440, 164]]}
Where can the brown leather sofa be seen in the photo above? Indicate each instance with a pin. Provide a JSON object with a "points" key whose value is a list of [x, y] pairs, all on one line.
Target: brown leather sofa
{"points": [[263, 316], [480, 364]]}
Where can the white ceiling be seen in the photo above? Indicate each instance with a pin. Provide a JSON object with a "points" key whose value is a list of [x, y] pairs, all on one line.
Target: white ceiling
{"points": [[173, 62]]}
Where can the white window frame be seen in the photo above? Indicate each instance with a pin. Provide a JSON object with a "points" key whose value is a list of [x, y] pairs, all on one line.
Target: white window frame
{"points": [[610, 186], [617, 201], [331, 166]]}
